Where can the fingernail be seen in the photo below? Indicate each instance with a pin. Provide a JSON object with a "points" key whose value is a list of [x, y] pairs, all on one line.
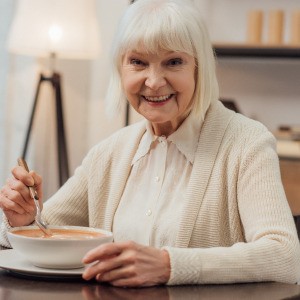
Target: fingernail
{"points": [[85, 276]]}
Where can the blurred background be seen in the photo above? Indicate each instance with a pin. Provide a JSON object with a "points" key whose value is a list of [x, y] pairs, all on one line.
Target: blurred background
{"points": [[263, 88]]}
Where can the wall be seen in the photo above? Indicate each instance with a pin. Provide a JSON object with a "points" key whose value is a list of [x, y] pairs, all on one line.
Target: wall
{"points": [[100, 126], [6, 11], [264, 89]]}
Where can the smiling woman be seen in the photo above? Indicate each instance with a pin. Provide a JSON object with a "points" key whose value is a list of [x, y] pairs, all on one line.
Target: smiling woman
{"points": [[160, 86], [192, 193], [189, 36]]}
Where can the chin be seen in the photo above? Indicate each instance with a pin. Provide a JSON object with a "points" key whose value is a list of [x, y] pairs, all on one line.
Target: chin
{"points": [[158, 120]]}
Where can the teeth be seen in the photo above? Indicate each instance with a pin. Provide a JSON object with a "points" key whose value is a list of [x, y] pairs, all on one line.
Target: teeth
{"points": [[158, 99]]}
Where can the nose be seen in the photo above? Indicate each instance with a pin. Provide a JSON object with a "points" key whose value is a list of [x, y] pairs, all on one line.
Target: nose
{"points": [[155, 78]]}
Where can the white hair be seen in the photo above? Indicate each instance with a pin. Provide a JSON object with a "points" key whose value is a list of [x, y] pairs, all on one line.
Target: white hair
{"points": [[172, 25]]}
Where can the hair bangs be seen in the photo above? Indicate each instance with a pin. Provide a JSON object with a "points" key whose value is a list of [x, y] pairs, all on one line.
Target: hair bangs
{"points": [[158, 31]]}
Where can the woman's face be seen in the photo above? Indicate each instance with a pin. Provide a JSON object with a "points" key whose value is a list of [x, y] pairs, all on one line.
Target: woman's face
{"points": [[159, 86]]}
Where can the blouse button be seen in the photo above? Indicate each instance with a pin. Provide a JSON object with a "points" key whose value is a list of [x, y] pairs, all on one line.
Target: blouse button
{"points": [[157, 179], [162, 140], [149, 212]]}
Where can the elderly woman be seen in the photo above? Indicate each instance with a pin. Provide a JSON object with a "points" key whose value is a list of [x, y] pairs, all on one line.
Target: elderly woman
{"points": [[193, 193]]}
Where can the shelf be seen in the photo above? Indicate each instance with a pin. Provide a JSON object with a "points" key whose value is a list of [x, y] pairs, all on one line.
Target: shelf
{"points": [[288, 149], [244, 51]]}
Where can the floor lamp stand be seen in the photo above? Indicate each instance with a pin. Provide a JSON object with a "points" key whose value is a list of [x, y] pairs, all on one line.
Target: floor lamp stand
{"points": [[63, 165]]}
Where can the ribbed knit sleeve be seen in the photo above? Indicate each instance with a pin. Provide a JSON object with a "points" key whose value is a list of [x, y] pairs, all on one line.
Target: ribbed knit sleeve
{"points": [[5, 226]]}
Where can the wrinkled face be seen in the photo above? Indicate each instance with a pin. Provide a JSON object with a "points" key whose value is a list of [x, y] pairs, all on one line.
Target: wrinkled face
{"points": [[159, 86]]}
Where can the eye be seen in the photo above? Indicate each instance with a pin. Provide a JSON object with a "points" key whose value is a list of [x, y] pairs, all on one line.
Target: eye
{"points": [[175, 62], [136, 62]]}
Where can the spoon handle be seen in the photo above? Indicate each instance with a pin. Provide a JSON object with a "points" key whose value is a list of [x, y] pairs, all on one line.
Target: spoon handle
{"points": [[33, 193]]}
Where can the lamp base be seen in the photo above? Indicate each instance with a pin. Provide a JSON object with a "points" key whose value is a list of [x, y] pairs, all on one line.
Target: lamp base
{"points": [[63, 164]]}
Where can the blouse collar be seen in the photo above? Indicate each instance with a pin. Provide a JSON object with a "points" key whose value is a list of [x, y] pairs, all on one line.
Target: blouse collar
{"points": [[185, 138]]}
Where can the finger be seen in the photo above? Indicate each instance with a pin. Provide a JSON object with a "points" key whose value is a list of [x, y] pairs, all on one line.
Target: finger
{"points": [[29, 179], [37, 183], [36, 178], [116, 274], [102, 266], [103, 251], [21, 174], [8, 206], [9, 197], [18, 186], [130, 282]]}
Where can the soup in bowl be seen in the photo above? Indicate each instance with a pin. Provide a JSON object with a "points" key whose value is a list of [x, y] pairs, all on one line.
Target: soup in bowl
{"points": [[64, 249]]}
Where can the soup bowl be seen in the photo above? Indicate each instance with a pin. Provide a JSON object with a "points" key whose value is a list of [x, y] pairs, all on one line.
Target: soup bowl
{"points": [[63, 250]]}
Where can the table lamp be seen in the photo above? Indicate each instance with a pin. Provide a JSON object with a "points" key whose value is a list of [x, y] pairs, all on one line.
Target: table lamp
{"points": [[65, 29]]}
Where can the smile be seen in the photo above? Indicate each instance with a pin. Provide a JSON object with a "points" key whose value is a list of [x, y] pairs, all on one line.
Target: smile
{"points": [[158, 98]]}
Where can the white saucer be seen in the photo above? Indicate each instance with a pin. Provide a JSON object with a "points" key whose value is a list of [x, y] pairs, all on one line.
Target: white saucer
{"points": [[10, 260]]}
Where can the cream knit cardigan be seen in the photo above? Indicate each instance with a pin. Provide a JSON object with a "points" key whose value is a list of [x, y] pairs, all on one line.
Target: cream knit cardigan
{"points": [[236, 225]]}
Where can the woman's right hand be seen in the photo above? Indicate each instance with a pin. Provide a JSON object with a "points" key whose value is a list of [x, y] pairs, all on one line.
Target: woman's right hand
{"points": [[15, 199]]}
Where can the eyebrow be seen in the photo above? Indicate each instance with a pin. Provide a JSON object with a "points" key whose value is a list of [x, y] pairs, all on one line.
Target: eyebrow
{"points": [[135, 51]]}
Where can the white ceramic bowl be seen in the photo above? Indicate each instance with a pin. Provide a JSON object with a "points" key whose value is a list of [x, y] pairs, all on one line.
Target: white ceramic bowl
{"points": [[56, 253]]}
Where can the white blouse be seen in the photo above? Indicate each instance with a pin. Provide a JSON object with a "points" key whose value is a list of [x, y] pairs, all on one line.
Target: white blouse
{"points": [[156, 186]]}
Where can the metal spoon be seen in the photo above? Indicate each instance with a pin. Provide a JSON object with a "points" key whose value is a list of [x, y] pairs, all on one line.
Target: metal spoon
{"points": [[38, 217]]}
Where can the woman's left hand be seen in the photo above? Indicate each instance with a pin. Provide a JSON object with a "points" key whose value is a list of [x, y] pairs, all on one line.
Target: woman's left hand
{"points": [[127, 264]]}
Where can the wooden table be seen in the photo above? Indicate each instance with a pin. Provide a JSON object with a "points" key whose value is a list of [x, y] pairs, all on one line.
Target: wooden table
{"points": [[18, 288]]}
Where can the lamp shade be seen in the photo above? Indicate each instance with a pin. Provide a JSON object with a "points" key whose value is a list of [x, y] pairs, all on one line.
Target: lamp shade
{"points": [[67, 28]]}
